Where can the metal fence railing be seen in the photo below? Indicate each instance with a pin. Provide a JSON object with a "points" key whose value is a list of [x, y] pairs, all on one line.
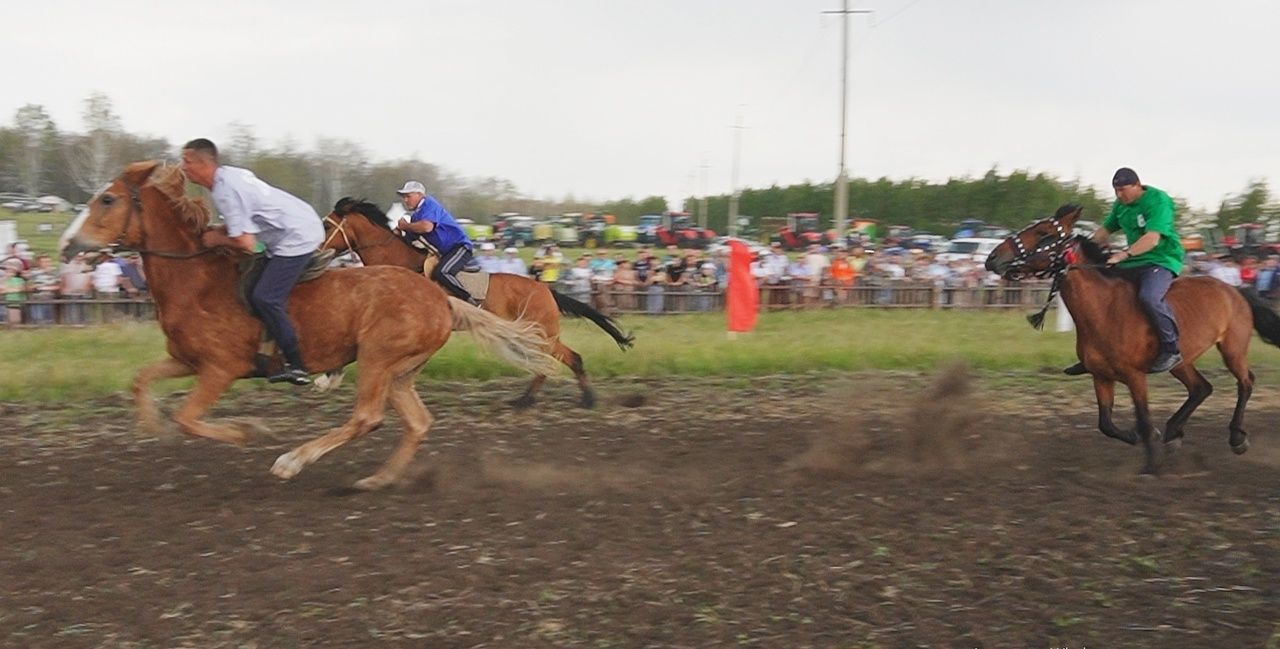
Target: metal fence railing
{"points": [[653, 300]]}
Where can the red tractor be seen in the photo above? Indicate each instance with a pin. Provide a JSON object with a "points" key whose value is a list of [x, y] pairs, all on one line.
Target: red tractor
{"points": [[801, 230], [678, 229]]}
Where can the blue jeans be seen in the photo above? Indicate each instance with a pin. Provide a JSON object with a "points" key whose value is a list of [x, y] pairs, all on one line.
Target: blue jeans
{"points": [[269, 296], [1153, 283]]}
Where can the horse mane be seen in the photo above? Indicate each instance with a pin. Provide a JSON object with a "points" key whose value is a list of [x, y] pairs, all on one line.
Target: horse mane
{"points": [[172, 184], [1092, 252], [346, 205]]}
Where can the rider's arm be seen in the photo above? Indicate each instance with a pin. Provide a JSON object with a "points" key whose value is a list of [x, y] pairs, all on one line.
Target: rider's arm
{"points": [[217, 237], [417, 227]]}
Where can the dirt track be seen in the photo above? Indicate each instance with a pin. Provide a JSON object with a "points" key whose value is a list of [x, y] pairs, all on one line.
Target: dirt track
{"points": [[874, 510]]}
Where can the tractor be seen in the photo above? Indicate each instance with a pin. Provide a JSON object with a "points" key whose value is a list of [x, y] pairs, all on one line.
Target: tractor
{"points": [[801, 231], [678, 229]]}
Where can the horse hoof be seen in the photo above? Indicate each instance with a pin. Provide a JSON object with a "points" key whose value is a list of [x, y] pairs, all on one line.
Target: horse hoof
{"points": [[1239, 449], [286, 466], [371, 483], [252, 427], [588, 401], [522, 403], [1171, 445]]}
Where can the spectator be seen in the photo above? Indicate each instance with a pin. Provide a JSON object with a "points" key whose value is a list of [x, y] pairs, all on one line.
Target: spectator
{"points": [[76, 277], [550, 268], [14, 289], [107, 279], [624, 287], [842, 275], [16, 259], [579, 279], [1249, 271], [1268, 280], [512, 263], [655, 289], [643, 265], [706, 285], [488, 260], [1228, 272], [42, 286]]}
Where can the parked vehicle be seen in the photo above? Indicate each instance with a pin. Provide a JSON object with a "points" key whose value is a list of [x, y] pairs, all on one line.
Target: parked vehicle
{"points": [[800, 230], [647, 229], [975, 249], [678, 229], [517, 232]]}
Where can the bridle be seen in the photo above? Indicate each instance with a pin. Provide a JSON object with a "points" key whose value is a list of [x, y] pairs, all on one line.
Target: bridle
{"points": [[1057, 249], [339, 228], [135, 209]]}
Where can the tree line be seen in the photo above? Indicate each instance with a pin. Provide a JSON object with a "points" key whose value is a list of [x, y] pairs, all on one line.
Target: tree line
{"points": [[37, 157]]}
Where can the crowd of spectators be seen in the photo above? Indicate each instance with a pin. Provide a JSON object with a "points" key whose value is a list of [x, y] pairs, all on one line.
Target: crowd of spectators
{"points": [[37, 291]]}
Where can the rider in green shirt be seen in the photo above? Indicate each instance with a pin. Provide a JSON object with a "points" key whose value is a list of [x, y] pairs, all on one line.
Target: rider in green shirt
{"points": [[1153, 257]]}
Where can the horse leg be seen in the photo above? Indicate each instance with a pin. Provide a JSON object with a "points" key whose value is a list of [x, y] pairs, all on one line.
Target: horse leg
{"points": [[148, 413], [1198, 389], [371, 401], [209, 386], [1147, 431], [416, 420], [573, 360], [527, 399], [1238, 363], [1105, 389]]}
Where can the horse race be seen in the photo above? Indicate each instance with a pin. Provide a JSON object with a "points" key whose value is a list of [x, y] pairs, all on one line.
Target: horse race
{"points": [[686, 324]]}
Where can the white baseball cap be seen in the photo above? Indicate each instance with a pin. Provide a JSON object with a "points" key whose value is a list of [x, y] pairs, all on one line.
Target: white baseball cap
{"points": [[512, 251], [411, 187], [486, 246]]}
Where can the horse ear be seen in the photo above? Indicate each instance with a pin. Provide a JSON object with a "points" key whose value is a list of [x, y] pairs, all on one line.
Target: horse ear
{"points": [[1068, 209], [138, 172]]}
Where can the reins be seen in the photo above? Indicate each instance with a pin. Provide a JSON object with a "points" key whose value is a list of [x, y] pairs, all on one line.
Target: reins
{"points": [[135, 207]]}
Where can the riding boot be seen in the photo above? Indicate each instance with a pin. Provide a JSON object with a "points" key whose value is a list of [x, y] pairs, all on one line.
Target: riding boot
{"points": [[1076, 370], [293, 370], [1167, 359]]}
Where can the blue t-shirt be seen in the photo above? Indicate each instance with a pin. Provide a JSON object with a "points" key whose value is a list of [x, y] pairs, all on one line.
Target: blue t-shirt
{"points": [[447, 234]]}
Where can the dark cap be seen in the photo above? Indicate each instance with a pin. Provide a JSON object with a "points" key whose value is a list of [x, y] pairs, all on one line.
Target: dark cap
{"points": [[1124, 176]]}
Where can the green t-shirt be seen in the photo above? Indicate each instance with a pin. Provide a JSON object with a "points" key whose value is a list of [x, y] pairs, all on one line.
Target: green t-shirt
{"points": [[1152, 212]]}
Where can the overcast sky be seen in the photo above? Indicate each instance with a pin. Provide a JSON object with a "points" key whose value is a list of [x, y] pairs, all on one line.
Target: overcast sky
{"points": [[614, 98]]}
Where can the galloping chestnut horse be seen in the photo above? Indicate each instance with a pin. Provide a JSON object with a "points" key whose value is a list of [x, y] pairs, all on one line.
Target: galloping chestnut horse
{"points": [[1117, 342], [389, 320], [363, 228]]}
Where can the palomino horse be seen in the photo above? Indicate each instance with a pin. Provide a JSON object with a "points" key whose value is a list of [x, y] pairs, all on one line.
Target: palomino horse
{"points": [[511, 297], [389, 320], [1117, 342]]}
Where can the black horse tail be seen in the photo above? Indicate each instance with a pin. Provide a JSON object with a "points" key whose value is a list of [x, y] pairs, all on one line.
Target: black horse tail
{"points": [[571, 307], [1265, 320]]}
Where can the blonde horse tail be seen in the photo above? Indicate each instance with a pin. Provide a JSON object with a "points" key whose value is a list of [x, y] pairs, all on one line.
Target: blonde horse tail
{"points": [[519, 343]]}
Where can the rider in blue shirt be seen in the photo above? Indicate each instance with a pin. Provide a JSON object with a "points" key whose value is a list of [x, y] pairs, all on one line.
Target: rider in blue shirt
{"points": [[428, 220]]}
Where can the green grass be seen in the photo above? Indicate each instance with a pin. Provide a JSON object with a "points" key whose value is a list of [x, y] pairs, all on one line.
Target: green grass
{"points": [[55, 364], [28, 228]]}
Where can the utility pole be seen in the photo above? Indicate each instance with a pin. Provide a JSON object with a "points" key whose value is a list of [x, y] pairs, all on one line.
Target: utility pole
{"points": [[702, 204], [842, 179], [733, 182]]}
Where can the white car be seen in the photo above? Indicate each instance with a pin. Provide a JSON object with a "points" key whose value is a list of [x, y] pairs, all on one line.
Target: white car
{"points": [[975, 249], [720, 244]]}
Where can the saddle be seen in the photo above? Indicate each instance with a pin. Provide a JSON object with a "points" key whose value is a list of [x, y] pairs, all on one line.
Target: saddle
{"points": [[473, 279], [250, 270]]}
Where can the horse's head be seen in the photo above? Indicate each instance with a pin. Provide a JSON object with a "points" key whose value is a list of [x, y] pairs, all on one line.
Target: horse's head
{"points": [[343, 225], [1039, 248], [118, 216]]}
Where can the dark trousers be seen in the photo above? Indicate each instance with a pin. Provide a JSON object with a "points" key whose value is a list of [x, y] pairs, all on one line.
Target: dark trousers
{"points": [[269, 296], [1153, 283], [446, 272]]}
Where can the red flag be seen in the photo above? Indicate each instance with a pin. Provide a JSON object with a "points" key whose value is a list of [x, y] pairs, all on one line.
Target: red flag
{"points": [[742, 296]]}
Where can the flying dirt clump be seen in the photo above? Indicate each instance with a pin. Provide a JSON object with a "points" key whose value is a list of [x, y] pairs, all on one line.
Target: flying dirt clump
{"points": [[940, 428]]}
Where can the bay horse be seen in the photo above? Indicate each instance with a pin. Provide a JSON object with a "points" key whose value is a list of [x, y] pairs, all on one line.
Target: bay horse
{"points": [[389, 320], [1115, 339], [363, 228]]}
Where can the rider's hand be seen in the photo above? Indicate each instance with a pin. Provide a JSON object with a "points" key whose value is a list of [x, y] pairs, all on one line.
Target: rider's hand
{"points": [[211, 238], [403, 225], [1117, 257]]}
